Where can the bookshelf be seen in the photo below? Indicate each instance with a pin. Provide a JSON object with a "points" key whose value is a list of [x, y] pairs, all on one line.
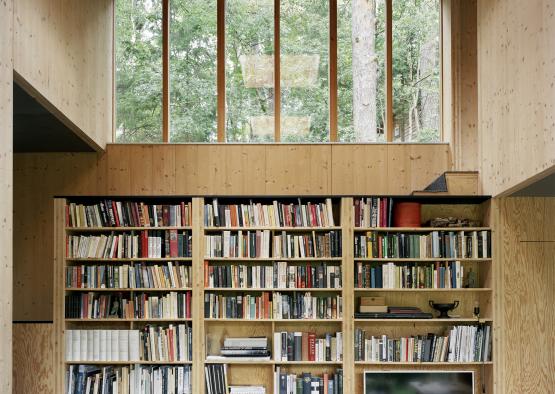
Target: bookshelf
{"points": [[124, 275], [208, 332]]}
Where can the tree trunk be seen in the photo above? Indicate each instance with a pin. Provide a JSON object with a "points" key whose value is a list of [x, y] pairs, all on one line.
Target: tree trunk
{"points": [[365, 69]]}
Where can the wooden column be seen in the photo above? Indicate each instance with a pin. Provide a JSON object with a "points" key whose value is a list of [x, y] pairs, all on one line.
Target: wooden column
{"points": [[59, 298], [198, 296], [6, 193], [347, 268]]}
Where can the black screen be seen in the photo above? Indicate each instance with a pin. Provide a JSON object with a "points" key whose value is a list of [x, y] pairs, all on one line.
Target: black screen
{"points": [[418, 383]]}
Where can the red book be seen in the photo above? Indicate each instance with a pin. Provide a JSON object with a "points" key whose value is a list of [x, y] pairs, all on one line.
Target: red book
{"points": [[144, 243], [184, 219], [173, 243], [206, 274], [326, 383], [115, 211], [357, 212], [165, 216], [311, 346], [79, 275], [68, 224], [171, 355]]}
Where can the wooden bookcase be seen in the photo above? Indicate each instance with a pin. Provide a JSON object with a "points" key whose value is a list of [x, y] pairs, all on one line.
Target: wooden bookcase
{"points": [[207, 332]]}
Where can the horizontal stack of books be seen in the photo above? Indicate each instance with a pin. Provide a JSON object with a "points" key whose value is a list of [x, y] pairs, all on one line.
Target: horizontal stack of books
{"points": [[244, 349], [392, 312]]}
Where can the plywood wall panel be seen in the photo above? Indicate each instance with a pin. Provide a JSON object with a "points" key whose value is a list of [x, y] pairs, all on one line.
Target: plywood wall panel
{"points": [[360, 168], [516, 91], [63, 50], [33, 359], [6, 193], [525, 275]]}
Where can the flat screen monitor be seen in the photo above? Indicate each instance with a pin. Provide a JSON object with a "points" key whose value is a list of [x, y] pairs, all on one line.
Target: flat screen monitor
{"points": [[418, 382]]}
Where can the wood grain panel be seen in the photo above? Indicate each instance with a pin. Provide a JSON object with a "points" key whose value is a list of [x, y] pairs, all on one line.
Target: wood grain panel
{"points": [[525, 287], [359, 168], [32, 359], [516, 82], [63, 49], [6, 193]]}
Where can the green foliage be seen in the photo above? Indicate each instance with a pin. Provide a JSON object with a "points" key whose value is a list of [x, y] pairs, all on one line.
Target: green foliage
{"points": [[138, 71], [249, 30]]}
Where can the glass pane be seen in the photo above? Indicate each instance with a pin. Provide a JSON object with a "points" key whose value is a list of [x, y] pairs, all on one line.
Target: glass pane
{"points": [[416, 70], [138, 71], [304, 36], [361, 70], [249, 70], [193, 92]]}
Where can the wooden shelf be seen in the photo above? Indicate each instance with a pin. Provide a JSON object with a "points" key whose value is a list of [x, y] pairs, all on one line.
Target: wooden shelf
{"points": [[130, 362], [273, 290], [159, 259], [107, 229], [419, 229], [125, 320], [418, 260], [138, 289], [463, 290], [272, 228], [271, 259], [436, 363], [453, 320], [274, 320], [234, 361]]}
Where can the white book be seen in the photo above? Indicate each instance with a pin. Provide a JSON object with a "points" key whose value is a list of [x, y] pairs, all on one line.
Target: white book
{"points": [[134, 338], [103, 346], [123, 345], [90, 344], [114, 347], [69, 345], [96, 345], [277, 346], [83, 345]]}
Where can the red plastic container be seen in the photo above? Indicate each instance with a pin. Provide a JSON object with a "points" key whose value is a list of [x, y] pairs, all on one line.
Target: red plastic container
{"points": [[406, 214]]}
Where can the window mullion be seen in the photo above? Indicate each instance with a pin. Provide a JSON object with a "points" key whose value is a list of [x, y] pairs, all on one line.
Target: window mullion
{"points": [[389, 70], [165, 71], [277, 73], [333, 70], [220, 69]]}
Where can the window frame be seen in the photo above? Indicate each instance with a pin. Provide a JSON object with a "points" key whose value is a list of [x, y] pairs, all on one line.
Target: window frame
{"points": [[332, 84]]}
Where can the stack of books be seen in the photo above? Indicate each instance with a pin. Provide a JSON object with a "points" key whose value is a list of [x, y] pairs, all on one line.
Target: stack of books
{"points": [[395, 312], [244, 349]]}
